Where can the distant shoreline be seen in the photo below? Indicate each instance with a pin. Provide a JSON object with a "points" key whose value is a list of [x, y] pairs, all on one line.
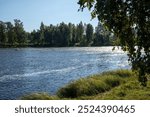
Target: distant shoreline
{"points": [[58, 46]]}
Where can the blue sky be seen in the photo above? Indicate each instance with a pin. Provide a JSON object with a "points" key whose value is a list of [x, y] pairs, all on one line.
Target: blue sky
{"points": [[33, 12]]}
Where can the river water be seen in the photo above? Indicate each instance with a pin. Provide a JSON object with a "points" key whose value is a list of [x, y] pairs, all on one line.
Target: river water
{"points": [[29, 70]]}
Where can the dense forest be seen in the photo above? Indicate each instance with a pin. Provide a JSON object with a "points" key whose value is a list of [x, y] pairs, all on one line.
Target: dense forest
{"points": [[61, 35]]}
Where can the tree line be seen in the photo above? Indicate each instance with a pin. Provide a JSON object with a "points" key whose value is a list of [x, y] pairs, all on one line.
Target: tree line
{"points": [[60, 35]]}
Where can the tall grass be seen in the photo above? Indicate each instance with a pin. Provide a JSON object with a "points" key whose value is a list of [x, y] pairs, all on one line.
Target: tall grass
{"points": [[38, 96], [119, 84], [93, 85]]}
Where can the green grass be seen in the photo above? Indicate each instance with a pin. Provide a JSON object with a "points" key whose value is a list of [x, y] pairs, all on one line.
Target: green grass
{"points": [[113, 85], [39, 96]]}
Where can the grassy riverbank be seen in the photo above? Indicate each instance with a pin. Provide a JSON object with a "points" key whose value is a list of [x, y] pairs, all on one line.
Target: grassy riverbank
{"points": [[113, 85]]}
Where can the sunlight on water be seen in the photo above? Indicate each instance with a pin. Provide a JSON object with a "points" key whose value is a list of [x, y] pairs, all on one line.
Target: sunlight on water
{"points": [[27, 70]]}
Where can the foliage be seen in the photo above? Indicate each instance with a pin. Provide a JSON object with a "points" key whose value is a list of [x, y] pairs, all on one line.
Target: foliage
{"points": [[12, 35], [89, 33], [61, 35], [102, 36], [129, 20], [20, 33], [3, 38]]}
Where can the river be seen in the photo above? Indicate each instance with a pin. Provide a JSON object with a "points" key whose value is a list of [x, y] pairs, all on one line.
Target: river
{"points": [[29, 70]]}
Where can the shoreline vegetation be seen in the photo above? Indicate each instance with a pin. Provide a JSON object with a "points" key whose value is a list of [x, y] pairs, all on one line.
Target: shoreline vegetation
{"points": [[60, 35], [111, 85]]}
